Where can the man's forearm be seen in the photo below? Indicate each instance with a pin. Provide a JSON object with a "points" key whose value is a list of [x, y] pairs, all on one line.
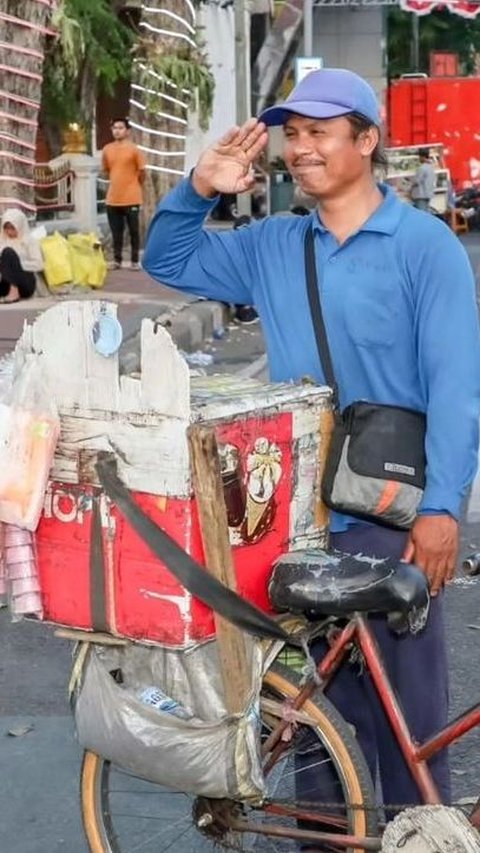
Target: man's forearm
{"points": [[181, 253], [174, 233]]}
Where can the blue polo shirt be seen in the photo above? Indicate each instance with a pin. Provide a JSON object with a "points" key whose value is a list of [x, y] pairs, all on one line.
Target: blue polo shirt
{"points": [[398, 298]]}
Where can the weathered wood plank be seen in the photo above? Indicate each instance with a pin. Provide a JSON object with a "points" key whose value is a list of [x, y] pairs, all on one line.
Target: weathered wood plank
{"points": [[151, 458], [322, 512], [165, 375], [208, 488], [308, 516], [80, 636], [82, 378]]}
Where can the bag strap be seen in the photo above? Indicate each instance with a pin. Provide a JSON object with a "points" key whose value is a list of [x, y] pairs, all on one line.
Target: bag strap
{"points": [[317, 317]]}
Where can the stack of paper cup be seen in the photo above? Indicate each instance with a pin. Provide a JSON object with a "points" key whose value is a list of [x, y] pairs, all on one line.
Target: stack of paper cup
{"points": [[3, 574], [21, 573]]}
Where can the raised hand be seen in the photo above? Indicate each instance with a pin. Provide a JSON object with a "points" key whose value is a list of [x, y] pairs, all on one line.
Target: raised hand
{"points": [[226, 166]]}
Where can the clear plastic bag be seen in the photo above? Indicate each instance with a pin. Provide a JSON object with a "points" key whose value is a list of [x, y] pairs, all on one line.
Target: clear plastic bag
{"points": [[29, 429]]}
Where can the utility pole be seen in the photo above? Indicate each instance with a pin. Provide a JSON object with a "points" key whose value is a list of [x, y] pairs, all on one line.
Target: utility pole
{"points": [[308, 28], [242, 82], [415, 41]]}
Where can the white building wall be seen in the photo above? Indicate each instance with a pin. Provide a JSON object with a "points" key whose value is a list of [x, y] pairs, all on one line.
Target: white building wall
{"points": [[353, 37], [220, 48]]}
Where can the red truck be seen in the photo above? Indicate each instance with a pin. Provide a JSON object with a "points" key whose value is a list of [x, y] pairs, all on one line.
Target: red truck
{"points": [[425, 110]]}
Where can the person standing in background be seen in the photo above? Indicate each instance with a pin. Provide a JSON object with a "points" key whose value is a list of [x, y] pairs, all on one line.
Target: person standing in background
{"points": [[423, 182], [124, 164]]}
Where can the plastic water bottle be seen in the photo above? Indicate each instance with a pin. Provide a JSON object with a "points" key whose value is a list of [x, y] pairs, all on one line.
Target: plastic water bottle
{"points": [[156, 698]]}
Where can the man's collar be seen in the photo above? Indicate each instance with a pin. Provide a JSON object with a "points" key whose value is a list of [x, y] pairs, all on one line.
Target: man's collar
{"points": [[384, 220]]}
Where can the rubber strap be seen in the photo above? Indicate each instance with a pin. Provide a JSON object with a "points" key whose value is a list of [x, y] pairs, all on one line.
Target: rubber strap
{"points": [[97, 572]]}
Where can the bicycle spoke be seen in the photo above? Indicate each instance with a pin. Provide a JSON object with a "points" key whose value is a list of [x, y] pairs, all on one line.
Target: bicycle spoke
{"points": [[176, 840], [141, 817], [142, 844]]}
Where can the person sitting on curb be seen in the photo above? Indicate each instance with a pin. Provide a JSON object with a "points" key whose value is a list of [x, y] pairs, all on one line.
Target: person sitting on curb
{"points": [[20, 258]]}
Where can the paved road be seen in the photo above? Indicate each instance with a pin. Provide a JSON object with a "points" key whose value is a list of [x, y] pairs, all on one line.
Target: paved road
{"points": [[39, 768]]}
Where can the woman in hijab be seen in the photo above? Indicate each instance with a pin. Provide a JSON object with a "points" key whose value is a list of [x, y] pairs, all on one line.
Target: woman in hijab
{"points": [[20, 257]]}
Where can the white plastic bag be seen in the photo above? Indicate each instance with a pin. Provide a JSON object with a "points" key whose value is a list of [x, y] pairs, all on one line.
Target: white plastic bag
{"points": [[196, 746]]}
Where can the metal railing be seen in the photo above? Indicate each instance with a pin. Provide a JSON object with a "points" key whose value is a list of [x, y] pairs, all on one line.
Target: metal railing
{"points": [[53, 189], [102, 186]]}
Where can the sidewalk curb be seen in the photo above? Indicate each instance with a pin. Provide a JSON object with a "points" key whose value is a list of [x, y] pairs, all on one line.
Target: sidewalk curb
{"points": [[190, 324]]}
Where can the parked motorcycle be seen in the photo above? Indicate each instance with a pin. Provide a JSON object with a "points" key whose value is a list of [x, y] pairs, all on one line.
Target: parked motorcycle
{"points": [[468, 200]]}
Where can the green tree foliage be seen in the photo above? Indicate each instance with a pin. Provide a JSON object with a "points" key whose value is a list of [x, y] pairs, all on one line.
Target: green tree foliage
{"points": [[187, 68], [90, 53], [441, 30]]}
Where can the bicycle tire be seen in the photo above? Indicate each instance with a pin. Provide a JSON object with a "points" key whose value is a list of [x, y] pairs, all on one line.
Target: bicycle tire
{"points": [[332, 731], [346, 752]]}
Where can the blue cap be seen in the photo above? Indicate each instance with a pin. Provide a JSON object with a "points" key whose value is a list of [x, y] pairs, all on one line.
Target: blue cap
{"points": [[327, 93]]}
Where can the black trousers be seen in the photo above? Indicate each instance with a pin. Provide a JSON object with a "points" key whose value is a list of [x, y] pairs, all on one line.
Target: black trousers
{"points": [[12, 272], [118, 217], [418, 669]]}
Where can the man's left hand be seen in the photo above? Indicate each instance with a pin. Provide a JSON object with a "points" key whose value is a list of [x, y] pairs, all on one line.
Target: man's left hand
{"points": [[433, 547]]}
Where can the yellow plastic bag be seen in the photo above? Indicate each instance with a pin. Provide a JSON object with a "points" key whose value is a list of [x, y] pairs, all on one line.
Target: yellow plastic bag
{"points": [[89, 267], [98, 267], [57, 264]]}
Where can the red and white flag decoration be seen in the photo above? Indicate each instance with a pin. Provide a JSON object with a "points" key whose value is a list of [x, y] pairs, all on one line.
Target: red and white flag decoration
{"points": [[466, 10], [420, 7], [459, 7]]}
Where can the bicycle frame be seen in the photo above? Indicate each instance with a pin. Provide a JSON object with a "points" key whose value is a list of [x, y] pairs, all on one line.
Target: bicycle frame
{"points": [[416, 755]]}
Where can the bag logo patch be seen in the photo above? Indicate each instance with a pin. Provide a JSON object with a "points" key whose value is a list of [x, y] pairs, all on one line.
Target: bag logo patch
{"points": [[395, 468]]}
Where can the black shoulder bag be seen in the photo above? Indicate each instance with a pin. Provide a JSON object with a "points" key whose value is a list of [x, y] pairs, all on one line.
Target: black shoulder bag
{"points": [[376, 465]]}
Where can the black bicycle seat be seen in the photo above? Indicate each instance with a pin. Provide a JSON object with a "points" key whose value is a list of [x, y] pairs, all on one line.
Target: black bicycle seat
{"points": [[331, 583]]}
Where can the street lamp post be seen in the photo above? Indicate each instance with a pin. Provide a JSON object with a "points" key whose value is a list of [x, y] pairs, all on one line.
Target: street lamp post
{"points": [[242, 82], [415, 42]]}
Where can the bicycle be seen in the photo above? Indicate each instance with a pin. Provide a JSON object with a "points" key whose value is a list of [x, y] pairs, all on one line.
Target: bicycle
{"points": [[297, 721]]}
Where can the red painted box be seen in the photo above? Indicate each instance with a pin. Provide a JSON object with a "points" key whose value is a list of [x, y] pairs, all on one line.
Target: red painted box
{"points": [[269, 437]]}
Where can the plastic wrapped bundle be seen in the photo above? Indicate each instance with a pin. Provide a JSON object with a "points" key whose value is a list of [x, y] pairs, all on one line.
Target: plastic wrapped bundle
{"points": [[29, 429], [20, 573], [3, 574]]}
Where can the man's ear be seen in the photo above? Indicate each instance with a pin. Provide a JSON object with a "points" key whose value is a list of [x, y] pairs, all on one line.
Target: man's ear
{"points": [[368, 140]]}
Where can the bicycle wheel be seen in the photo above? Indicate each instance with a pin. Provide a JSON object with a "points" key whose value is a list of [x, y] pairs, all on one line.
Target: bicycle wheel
{"points": [[122, 814]]}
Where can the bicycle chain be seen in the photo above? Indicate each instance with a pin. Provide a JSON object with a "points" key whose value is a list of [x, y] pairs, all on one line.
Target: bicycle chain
{"points": [[391, 808]]}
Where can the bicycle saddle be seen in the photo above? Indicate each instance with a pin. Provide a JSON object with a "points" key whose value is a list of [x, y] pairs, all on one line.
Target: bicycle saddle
{"points": [[331, 583]]}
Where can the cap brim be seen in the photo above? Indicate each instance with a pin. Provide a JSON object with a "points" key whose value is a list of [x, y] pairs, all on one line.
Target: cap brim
{"points": [[310, 109]]}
